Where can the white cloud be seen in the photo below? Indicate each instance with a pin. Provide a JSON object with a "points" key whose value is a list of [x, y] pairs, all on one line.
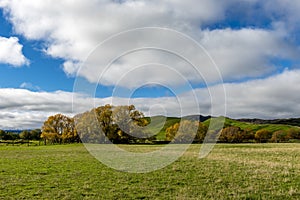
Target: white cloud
{"points": [[246, 52], [284, 11], [238, 54], [21, 108], [11, 52], [273, 97], [269, 98], [30, 86], [70, 30]]}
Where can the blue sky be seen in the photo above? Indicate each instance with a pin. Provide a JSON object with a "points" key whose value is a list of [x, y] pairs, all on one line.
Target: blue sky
{"points": [[253, 47], [43, 72]]}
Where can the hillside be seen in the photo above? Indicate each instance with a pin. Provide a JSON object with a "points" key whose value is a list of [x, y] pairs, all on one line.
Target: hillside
{"points": [[199, 118], [160, 124], [253, 127], [291, 121]]}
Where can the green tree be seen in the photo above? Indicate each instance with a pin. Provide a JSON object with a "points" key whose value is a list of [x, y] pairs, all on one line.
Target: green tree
{"points": [[26, 135], [36, 134], [2, 134], [10, 136]]}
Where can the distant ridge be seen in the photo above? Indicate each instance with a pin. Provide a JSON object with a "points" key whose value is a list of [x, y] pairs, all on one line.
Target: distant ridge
{"points": [[199, 118], [14, 131], [290, 121]]}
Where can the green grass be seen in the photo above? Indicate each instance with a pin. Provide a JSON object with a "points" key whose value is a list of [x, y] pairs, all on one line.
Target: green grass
{"points": [[239, 171], [254, 127]]}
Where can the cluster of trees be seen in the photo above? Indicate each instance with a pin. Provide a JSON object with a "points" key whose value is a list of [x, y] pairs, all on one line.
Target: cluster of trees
{"points": [[117, 124], [183, 131], [233, 134], [24, 135]]}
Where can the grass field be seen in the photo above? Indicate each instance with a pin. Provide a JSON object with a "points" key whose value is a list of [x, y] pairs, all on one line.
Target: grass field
{"points": [[231, 171]]}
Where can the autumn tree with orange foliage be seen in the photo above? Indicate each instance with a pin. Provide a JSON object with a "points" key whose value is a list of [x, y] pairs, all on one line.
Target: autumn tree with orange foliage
{"points": [[186, 131], [59, 129]]}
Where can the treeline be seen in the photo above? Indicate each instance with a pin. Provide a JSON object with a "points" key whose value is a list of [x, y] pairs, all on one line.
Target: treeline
{"points": [[23, 137], [233, 134], [125, 124], [229, 134], [116, 124]]}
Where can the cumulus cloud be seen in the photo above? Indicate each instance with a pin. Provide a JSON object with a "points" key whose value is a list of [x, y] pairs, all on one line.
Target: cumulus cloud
{"points": [[11, 52], [269, 98], [71, 30], [21, 108], [246, 52], [284, 11]]}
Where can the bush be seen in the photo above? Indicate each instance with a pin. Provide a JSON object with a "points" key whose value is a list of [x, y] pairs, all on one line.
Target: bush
{"points": [[279, 136], [263, 136]]}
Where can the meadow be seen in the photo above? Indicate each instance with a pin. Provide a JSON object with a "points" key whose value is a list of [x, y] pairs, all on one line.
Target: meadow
{"points": [[230, 171]]}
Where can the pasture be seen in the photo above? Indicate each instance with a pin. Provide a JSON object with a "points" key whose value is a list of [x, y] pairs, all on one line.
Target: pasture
{"points": [[230, 171]]}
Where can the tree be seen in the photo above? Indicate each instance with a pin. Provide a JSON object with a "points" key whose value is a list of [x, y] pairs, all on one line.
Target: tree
{"points": [[25, 135], [2, 134], [172, 131], [88, 128], [186, 131], [129, 122], [279, 136], [293, 133], [231, 134], [36, 134], [201, 132], [119, 124], [248, 135], [262, 135], [59, 128], [104, 117]]}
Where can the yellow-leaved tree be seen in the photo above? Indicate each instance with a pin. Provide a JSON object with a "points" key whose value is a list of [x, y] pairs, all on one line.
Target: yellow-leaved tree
{"points": [[186, 131], [59, 128]]}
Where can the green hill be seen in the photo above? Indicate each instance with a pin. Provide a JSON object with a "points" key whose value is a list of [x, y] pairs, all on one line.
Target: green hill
{"points": [[159, 124], [254, 127], [290, 121]]}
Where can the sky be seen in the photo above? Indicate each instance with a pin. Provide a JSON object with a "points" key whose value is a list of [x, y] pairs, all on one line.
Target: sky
{"points": [[238, 58]]}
